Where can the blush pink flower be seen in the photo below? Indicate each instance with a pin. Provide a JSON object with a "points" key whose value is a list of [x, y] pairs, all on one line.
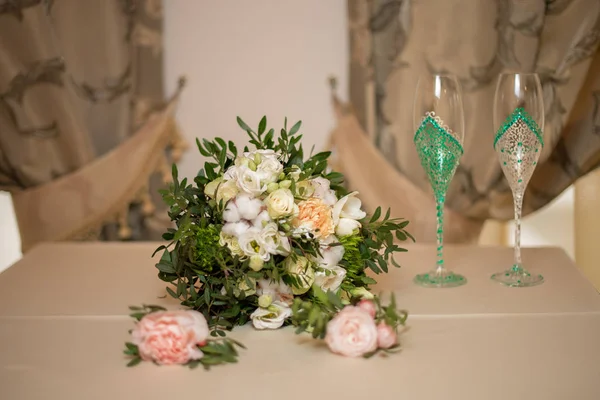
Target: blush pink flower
{"points": [[171, 337], [352, 332], [386, 336], [368, 306]]}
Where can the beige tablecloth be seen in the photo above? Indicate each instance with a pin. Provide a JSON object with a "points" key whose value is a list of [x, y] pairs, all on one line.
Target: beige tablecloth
{"points": [[63, 323]]}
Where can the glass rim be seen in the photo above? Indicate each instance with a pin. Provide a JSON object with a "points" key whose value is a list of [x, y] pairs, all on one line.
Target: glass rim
{"points": [[518, 73]]}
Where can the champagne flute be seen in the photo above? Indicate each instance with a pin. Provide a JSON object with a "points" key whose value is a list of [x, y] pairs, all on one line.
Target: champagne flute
{"points": [[518, 141], [439, 123]]}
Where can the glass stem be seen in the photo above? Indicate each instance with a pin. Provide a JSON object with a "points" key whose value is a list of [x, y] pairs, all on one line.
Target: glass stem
{"points": [[440, 233], [518, 202]]}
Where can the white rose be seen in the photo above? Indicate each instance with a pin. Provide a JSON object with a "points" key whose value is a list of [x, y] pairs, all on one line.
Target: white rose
{"points": [[321, 189], [302, 272], [235, 229], [276, 289], [280, 203], [352, 333], [346, 212], [331, 282], [211, 188], [269, 170], [226, 191], [271, 317], [248, 207], [249, 182], [232, 244], [250, 244], [273, 241]]}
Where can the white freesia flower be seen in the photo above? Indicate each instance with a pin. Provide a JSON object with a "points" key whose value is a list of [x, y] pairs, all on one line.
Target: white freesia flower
{"points": [[273, 241], [322, 190], [261, 220], [248, 207], [331, 282], [280, 203], [269, 170], [231, 212], [249, 182], [226, 191], [302, 271], [235, 229], [276, 289], [346, 212], [271, 317], [250, 243], [232, 244]]}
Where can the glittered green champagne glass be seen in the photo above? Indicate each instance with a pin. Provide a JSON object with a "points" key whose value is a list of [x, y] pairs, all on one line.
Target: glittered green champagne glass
{"points": [[439, 124], [518, 141]]}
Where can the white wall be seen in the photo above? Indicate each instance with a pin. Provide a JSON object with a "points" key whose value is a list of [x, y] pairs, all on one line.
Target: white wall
{"points": [[254, 58]]}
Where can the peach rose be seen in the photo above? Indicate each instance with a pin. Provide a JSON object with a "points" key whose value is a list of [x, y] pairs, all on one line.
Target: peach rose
{"points": [[352, 332], [386, 336], [170, 337], [368, 306], [315, 216]]}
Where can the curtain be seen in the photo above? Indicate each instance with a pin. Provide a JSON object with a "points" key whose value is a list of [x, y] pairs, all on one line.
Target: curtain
{"points": [[80, 90], [394, 41]]}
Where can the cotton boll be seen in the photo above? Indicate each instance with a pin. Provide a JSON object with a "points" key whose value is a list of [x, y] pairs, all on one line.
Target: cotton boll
{"points": [[235, 228], [261, 220], [231, 212], [248, 207]]}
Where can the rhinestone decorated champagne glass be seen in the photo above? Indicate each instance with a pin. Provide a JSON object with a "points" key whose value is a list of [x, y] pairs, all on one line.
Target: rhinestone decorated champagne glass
{"points": [[439, 123], [518, 141]]}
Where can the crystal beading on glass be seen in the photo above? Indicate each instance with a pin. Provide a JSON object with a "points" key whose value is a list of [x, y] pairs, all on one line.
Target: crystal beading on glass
{"points": [[518, 143]]}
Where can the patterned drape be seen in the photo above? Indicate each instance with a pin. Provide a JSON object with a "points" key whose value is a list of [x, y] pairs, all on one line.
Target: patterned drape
{"points": [[78, 79], [393, 41]]}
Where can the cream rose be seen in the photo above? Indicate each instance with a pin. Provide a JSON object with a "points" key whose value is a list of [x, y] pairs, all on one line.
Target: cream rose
{"points": [[314, 216], [232, 244], [171, 337], [301, 270], [226, 191], [386, 336], [351, 333], [330, 279], [271, 317], [280, 203], [269, 170]]}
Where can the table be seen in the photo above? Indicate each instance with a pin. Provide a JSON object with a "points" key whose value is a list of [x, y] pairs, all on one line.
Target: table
{"points": [[63, 321]]}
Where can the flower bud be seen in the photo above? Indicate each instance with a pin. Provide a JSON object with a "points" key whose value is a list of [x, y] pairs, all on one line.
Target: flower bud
{"points": [[271, 187], [362, 293], [252, 165], [265, 300], [285, 184], [256, 263], [257, 158], [281, 176]]}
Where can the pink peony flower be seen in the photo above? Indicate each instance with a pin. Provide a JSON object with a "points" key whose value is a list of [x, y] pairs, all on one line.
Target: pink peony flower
{"points": [[352, 332], [171, 337], [386, 336], [368, 306]]}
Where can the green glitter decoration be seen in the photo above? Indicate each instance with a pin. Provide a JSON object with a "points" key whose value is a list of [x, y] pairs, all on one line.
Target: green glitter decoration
{"points": [[519, 114]]}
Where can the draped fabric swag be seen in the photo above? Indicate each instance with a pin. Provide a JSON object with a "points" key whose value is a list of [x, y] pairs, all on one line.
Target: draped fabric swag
{"points": [[394, 41], [84, 123]]}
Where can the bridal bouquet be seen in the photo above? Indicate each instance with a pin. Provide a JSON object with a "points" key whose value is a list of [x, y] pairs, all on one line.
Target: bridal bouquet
{"points": [[269, 236]]}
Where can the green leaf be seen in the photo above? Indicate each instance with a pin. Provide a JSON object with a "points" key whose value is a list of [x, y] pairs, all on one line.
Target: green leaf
{"points": [[243, 125], [131, 346], [172, 293], [403, 224], [166, 268], [262, 125], [134, 362], [376, 214], [201, 149], [295, 128]]}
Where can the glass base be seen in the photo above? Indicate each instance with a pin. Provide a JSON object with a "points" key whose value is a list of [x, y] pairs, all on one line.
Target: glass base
{"points": [[517, 277], [440, 279]]}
